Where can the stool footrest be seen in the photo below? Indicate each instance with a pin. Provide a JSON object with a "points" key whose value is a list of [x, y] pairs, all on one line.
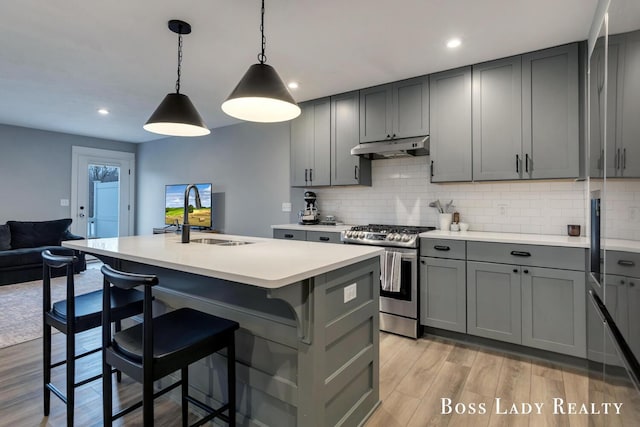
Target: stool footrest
{"points": [[139, 404], [212, 413]]}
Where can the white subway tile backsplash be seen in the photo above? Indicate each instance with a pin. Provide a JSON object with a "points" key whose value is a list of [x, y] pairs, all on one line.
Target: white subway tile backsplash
{"points": [[401, 193]]}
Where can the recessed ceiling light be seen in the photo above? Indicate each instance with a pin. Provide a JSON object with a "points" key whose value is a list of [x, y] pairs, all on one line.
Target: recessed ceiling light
{"points": [[293, 85], [103, 111], [453, 43]]}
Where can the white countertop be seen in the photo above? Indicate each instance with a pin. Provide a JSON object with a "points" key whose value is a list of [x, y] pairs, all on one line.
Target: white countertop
{"points": [[314, 227], [622, 245], [525, 239], [267, 263]]}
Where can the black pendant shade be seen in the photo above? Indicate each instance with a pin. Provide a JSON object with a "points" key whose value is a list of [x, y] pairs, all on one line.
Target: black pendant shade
{"points": [[261, 96], [176, 116]]}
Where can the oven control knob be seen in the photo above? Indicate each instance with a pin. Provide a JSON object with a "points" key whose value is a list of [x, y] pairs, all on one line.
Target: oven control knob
{"points": [[348, 233], [390, 236], [406, 238], [361, 234]]}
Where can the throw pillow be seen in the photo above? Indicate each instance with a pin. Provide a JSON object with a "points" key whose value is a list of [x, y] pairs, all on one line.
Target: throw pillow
{"points": [[32, 234], [5, 237]]}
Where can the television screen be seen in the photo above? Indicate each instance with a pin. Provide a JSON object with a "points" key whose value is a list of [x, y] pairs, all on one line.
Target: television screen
{"points": [[199, 210]]}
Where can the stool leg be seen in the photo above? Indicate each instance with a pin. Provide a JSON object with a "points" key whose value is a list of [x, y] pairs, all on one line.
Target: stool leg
{"points": [[231, 380], [107, 402], [71, 376], [147, 402], [185, 392], [118, 373], [46, 368]]}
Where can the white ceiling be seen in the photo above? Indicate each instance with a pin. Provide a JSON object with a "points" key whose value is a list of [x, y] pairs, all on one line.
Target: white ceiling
{"points": [[62, 60]]}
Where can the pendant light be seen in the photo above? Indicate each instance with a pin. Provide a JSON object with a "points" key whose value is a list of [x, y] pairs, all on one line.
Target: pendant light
{"points": [[176, 115], [261, 96]]}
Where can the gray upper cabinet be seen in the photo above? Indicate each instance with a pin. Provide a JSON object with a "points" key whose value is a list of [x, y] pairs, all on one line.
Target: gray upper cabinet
{"points": [[497, 119], [550, 113], [395, 110], [345, 126], [450, 123], [311, 145], [376, 120], [627, 146]]}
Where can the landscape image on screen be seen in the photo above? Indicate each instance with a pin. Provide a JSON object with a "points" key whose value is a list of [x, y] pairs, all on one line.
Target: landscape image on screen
{"points": [[199, 216]]}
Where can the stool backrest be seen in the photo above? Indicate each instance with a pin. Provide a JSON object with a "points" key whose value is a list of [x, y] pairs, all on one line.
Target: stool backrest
{"points": [[128, 281], [62, 258]]}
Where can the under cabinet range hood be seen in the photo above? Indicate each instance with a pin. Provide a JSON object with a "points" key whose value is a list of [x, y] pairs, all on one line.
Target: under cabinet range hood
{"points": [[393, 148]]}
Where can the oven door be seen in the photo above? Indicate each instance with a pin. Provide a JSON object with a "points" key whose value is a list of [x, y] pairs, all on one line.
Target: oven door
{"points": [[405, 302]]}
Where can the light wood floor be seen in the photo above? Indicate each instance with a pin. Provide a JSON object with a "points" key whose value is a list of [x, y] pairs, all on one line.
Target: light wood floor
{"points": [[414, 376]]}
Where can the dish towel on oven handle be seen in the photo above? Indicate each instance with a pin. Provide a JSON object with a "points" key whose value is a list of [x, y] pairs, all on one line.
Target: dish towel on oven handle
{"points": [[390, 271]]}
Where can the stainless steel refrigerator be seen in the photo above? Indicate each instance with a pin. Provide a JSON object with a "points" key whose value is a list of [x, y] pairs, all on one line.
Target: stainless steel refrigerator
{"points": [[614, 206]]}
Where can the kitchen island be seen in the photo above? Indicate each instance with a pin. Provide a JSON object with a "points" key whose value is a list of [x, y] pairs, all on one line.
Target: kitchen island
{"points": [[307, 350]]}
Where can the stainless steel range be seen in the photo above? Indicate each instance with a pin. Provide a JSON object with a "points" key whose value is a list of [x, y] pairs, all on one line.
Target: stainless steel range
{"points": [[398, 308]]}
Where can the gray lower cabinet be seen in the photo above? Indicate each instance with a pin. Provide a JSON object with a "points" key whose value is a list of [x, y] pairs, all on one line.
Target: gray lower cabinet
{"points": [[553, 310], [450, 125], [550, 113], [493, 301], [345, 134], [528, 294], [443, 293], [311, 145], [310, 236]]}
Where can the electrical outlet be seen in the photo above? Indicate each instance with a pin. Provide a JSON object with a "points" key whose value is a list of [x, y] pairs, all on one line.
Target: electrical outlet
{"points": [[64, 202], [286, 207], [350, 292], [503, 209]]}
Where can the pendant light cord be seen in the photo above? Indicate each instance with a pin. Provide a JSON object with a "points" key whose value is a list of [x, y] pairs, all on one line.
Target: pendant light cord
{"points": [[261, 56], [179, 59]]}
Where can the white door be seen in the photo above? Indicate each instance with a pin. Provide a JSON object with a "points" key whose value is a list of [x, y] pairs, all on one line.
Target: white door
{"points": [[102, 192]]}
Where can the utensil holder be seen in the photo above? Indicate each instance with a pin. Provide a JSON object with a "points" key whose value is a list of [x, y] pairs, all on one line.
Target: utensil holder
{"points": [[445, 221]]}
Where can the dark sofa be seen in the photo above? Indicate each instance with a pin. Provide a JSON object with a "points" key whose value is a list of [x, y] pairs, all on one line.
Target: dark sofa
{"points": [[22, 242]]}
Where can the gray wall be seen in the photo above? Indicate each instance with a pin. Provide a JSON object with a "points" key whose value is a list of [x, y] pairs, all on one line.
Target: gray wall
{"points": [[35, 171], [248, 162]]}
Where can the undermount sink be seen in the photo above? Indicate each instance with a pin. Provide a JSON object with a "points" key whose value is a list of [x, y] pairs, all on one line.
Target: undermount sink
{"points": [[219, 242]]}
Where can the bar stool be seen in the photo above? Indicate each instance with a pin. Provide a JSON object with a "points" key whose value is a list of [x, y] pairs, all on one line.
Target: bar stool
{"points": [[162, 345], [75, 314]]}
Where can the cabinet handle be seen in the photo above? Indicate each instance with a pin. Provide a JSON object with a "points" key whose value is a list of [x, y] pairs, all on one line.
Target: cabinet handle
{"points": [[441, 248], [355, 172], [526, 163], [624, 158], [324, 239], [626, 263], [388, 136], [632, 284], [520, 253], [393, 136], [311, 175], [517, 163], [431, 168], [306, 175], [288, 236], [525, 271], [515, 270]]}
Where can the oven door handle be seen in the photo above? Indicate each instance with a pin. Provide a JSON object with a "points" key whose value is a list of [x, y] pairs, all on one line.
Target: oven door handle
{"points": [[413, 255]]}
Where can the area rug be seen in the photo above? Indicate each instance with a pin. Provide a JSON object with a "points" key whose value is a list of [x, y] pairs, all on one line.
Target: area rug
{"points": [[21, 304]]}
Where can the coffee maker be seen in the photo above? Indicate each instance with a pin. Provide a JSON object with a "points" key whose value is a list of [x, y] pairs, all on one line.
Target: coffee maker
{"points": [[310, 214]]}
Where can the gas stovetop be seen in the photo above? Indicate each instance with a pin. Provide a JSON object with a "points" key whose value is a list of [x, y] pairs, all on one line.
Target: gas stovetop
{"points": [[405, 236]]}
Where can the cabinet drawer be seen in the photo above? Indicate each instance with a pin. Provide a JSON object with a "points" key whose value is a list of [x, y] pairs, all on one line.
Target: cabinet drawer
{"points": [[623, 263], [442, 248], [323, 236], [281, 233], [532, 255]]}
